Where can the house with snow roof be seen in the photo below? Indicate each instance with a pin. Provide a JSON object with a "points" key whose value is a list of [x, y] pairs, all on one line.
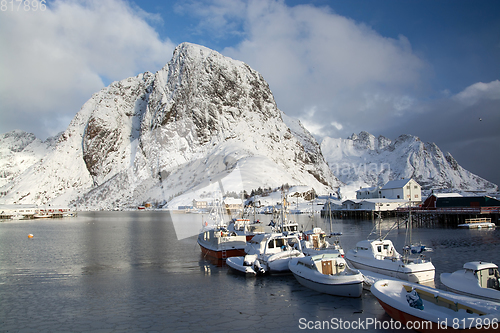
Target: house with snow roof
{"points": [[405, 189]]}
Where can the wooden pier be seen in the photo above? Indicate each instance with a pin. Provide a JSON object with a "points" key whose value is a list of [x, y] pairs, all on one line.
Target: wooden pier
{"points": [[359, 214], [451, 217]]}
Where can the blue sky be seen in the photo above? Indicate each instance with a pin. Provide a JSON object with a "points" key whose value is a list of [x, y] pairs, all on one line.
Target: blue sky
{"points": [[426, 68]]}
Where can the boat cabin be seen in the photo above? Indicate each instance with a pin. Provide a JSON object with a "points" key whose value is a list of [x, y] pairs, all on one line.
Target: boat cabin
{"points": [[486, 273], [378, 249], [291, 227], [221, 235], [316, 236], [273, 243], [327, 264]]}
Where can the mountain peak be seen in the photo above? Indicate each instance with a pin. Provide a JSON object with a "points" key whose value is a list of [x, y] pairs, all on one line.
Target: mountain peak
{"points": [[406, 157], [157, 136]]}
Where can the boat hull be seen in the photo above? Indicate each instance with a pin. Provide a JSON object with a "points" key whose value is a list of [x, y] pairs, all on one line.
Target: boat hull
{"points": [[435, 317], [347, 282], [237, 264], [278, 263], [349, 289], [456, 283], [415, 273], [221, 255]]}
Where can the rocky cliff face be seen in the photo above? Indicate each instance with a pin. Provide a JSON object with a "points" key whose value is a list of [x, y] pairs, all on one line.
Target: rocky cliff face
{"points": [[364, 160], [156, 136]]}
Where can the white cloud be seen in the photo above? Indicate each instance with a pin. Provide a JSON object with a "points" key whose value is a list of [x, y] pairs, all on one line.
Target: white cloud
{"points": [[310, 55], [337, 125], [479, 91], [52, 61]]}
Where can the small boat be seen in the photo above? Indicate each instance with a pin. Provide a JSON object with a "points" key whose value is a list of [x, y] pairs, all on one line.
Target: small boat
{"points": [[327, 273], [381, 257], [267, 253], [427, 309], [477, 223], [42, 215], [476, 279], [314, 242]]}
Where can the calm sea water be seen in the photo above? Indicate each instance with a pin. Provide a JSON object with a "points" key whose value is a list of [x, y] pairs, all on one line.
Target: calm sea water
{"points": [[127, 272]]}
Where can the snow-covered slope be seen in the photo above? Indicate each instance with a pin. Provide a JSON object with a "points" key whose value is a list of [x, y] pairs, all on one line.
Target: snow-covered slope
{"points": [[364, 160], [203, 119], [19, 151]]}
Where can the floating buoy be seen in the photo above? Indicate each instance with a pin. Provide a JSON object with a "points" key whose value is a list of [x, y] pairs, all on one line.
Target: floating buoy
{"points": [[30, 236]]}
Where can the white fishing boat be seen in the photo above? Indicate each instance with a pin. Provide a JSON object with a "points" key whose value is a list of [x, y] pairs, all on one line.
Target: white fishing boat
{"points": [[477, 223], [327, 273], [315, 242], [427, 309], [476, 279], [381, 257], [267, 253]]}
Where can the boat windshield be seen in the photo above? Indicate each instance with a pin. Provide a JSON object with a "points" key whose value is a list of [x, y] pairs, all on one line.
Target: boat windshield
{"points": [[494, 280]]}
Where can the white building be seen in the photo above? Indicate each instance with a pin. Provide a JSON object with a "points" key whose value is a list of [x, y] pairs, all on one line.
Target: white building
{"points": [[405, 189], [381, 204], [233, 204], [373, 204], [368, 193]]}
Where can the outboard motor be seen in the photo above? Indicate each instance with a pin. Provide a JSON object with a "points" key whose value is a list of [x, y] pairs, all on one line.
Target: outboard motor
{"points": [[258, 267]]}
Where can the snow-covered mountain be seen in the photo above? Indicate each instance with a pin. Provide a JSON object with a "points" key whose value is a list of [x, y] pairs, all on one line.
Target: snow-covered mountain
{"points": [[364, 160], [204, 123], [19, 151], [203, 120]]}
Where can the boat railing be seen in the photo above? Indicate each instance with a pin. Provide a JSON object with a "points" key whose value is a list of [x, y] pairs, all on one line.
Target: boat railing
{"points": [[479, 220], [443, 301]]}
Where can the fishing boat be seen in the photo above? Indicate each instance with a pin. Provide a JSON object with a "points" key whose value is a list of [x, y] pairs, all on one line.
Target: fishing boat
{"points": [[267, 253], [427, 309], [315, 242], [381, 257], [477, 223], [217, 241], [476, 279], [327, 273]]}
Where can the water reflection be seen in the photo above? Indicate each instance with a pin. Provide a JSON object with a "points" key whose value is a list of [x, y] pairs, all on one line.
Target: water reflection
{"points": [[127, 271]]}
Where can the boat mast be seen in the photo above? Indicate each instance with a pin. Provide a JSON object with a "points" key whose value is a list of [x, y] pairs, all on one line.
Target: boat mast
{"points": [[330, 215]]}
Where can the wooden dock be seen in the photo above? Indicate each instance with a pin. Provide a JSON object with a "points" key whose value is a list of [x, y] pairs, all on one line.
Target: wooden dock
{"points": [[450, 216]]}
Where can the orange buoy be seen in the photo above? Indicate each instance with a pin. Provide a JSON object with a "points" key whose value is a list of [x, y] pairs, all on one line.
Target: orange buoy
{"points": [[30, 236]]}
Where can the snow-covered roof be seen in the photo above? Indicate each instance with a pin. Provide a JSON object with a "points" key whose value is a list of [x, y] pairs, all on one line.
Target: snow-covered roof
{"points": [[352, 200], [232, 201], [385, 200], [373, 188], [400, 183], [447, 195]]}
